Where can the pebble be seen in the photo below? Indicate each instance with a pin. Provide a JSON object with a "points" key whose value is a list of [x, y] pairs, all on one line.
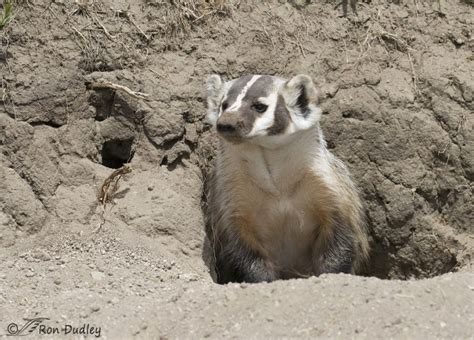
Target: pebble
{"points": [[57, 282], [95, 308], [97, 276], [41, 255]]}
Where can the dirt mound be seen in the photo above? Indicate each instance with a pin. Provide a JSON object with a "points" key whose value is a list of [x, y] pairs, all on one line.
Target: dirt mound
{"points": [[110, 83]]}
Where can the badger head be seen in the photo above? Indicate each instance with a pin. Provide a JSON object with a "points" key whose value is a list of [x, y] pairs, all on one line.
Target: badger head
{"points": [[262, 109]]}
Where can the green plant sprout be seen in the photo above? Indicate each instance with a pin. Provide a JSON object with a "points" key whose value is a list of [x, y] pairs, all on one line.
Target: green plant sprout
{"points": [[7, 15]]}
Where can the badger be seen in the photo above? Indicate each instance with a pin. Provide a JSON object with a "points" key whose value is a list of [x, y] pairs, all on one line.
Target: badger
{"points": [[279, 204]]}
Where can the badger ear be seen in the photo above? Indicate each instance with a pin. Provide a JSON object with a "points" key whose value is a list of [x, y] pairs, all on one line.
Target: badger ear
{"points": [[215, 91], [300, 94], [301, 98]]}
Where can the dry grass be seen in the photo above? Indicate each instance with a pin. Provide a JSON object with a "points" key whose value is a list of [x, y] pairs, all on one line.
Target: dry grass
{"points": [[92, 50], [182, 15], [378, 33]]}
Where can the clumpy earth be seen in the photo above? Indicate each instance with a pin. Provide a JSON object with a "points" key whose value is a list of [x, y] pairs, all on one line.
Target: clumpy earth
{"points": [[397, 93]]}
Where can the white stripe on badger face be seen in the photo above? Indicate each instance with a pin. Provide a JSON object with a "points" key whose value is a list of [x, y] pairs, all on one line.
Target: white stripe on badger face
{"points": [[238, 101], [227, 86], [265, 121]]}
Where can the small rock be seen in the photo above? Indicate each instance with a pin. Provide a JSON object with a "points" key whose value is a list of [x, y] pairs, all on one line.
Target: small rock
{"points": [[403, 13], [97, 276], [95, 308], [30, 274], [57, 282], [42, 255], [330, 90]]}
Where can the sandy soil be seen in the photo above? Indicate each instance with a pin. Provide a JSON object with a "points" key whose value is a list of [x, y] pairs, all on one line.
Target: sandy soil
{"points": [[397, 98]]}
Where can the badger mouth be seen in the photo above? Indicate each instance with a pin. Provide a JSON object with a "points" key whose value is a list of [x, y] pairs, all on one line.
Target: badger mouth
{"points": [[233, 139]]}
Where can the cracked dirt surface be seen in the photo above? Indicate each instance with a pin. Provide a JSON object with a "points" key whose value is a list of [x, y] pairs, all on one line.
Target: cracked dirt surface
{"points": [[397, 98]]}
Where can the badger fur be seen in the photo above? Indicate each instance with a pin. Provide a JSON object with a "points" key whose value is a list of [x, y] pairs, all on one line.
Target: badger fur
{"points": [[279, 204]]}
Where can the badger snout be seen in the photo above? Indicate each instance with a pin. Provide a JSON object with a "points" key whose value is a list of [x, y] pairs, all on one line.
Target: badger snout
{"points": [[226, 129], [231, 126]]}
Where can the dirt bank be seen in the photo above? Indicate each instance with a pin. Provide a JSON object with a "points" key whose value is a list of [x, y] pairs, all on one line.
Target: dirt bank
{"points": [[397, 97]]}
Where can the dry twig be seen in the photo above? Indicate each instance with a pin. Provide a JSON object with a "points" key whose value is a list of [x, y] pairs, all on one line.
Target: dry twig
{"points": [[103, 84], [108, 189], [96, 19]]}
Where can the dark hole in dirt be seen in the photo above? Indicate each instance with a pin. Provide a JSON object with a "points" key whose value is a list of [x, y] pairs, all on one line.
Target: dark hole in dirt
{"points": [[115, 153]]}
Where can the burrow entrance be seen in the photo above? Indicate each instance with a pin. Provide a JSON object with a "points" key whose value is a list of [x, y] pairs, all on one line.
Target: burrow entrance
{"points": [[424, 255], [115, 153]]}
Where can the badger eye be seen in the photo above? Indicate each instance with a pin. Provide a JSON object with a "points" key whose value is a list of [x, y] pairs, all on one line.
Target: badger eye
{"points": [[224, 106], [259, 107]]}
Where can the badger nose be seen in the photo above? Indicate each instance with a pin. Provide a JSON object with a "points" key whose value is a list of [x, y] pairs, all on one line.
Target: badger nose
{"points": [[226, 129]]}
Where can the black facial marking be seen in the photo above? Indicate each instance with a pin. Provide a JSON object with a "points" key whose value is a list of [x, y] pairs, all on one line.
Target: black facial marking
{"points": [[302, 101], [261, 88], [282, 118]]}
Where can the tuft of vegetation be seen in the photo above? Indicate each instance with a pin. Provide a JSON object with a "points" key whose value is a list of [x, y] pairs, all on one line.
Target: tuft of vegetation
{"points": [[7, 15], [182, 15]]}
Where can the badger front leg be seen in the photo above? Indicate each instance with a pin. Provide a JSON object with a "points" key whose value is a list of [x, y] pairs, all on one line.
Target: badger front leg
{"points": [[236, 262], [335, 250]]}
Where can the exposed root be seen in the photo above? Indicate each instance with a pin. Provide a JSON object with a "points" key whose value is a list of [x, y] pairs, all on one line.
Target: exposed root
{"points": [[103, 84], [127, 16], [108, 189], [106, 32]]}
